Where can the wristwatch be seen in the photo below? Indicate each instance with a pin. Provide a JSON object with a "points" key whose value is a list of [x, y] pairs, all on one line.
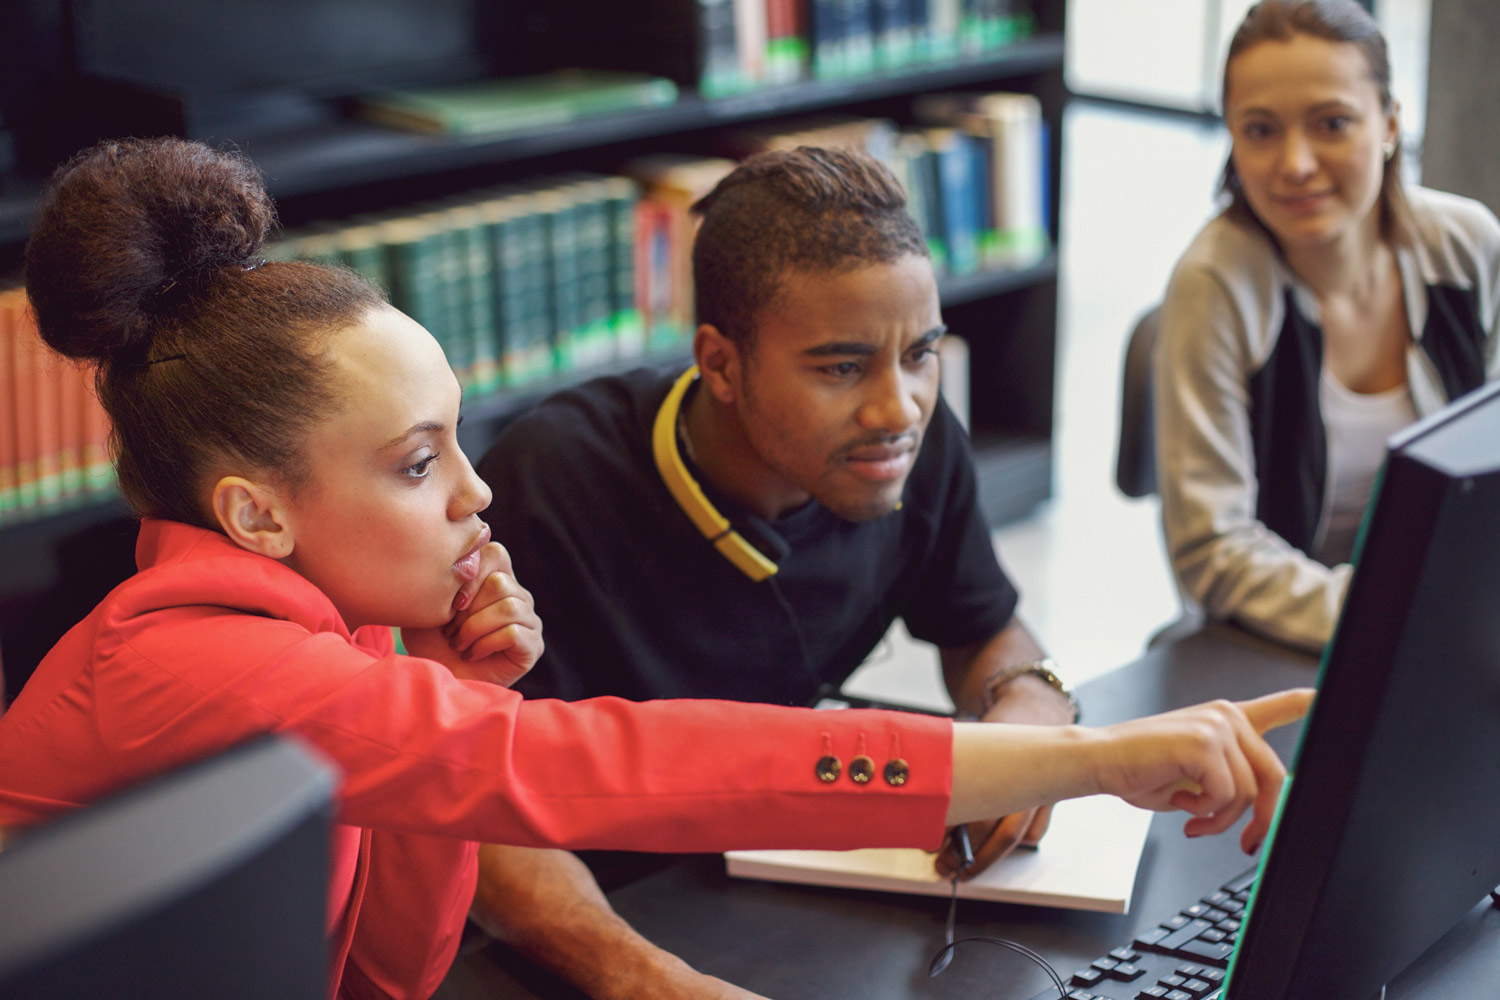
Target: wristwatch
{"points": [[1045, 668]]}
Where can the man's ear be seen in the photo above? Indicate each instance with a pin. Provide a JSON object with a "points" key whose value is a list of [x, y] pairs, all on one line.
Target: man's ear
{"points": [[253, 515], [720, 362]]}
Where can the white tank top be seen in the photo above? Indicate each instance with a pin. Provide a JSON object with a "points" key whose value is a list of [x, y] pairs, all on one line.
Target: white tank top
{"points": [[1357, 426]]}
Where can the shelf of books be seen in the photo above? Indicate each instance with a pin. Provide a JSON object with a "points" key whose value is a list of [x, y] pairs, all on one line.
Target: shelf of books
{"points": [[532, 286], [539, 224]]}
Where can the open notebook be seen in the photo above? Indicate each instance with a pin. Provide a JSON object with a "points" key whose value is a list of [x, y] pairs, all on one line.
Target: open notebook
{"points": [[1087, 861]]}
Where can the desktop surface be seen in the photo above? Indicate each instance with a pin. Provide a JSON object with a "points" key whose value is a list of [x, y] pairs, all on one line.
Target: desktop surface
{"points": [[790, 942]]}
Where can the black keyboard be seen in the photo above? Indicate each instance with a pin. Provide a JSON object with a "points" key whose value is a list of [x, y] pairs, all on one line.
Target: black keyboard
{"points": [[1182, 958]]}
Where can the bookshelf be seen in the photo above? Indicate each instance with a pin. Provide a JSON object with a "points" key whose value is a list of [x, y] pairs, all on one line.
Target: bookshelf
{"points": [[55, 564]]}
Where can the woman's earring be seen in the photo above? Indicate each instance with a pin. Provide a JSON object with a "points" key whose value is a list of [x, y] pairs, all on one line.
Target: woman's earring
{"points": [[1388, 148]]}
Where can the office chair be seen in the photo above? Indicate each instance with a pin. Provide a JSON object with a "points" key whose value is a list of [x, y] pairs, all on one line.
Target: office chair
{"points": [[1135, 458]]}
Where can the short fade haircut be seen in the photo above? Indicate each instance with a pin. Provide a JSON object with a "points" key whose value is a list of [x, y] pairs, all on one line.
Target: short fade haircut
{"points": [[794, 210]]}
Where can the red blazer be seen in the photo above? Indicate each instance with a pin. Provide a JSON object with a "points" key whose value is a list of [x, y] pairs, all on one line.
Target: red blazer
{"points": [[209, 644]]}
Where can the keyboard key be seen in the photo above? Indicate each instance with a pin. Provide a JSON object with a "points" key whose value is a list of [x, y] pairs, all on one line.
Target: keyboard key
{"points": [[1126, 972], [1214, 976], [1206, 951], [1105, 964], [1125, 954], [1197, 987], [1084, 995], [1189, 969], [1183, 935], [1086, 977], [1214, 915], [1242, 883], [1213, 934], [1179, 995], [1228, 925], [1152, 993], [1172, 982], [1150, 939], [1177, 922]]}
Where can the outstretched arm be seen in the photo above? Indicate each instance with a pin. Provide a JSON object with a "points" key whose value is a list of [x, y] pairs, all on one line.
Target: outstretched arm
{"points": [[1209, 760]]}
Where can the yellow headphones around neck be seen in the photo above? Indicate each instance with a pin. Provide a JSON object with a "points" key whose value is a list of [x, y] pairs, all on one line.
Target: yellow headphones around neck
{"points": [[690, 496]]}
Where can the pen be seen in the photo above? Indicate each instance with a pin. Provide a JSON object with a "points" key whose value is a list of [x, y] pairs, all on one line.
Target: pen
{"points": [[964, 847]]}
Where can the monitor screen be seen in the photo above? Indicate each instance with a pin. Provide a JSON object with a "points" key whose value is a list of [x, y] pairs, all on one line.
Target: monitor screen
{"points": [[211, 881], [1389, 829]]}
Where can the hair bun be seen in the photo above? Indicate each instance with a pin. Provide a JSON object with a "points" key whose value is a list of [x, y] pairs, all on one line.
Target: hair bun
{"points": [[126, 219]]}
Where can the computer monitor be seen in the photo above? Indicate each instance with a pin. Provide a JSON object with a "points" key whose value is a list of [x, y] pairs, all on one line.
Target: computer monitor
{"points": [[1389, 829], [211, 881]]}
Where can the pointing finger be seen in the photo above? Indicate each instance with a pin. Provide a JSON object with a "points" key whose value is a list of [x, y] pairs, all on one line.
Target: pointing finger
{"points": [[1279, 709]]}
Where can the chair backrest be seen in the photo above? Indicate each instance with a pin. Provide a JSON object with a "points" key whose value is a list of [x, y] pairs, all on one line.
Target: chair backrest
{"points": [[1135, 458]]}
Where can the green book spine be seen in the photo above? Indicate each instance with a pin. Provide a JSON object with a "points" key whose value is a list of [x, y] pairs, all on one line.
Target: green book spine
{"points": [[412, 251], [449, 262], [625, 312], [925, 168], [476, 288], [525, 298], [537, 294], [595, 279], [502, 225], [560, 217]]}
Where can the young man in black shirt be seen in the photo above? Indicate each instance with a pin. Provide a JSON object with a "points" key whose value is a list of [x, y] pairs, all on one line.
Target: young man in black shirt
{"points": [[749, 529]]}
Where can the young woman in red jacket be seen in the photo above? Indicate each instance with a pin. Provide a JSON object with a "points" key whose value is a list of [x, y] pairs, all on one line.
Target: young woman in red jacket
{"points": [[289, 441]]}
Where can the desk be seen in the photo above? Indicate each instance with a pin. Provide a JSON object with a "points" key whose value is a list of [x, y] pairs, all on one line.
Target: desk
{"points": [[791, 942]]}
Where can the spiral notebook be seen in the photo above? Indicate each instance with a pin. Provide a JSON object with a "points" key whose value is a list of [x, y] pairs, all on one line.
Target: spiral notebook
{"points": [[1087, 861]]}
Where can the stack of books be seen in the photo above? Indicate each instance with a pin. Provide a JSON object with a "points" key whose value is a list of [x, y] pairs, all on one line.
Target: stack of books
{"points": [[671, 184], [857, 37], [516, 283], [975, 172], [496, 107], [54, 436], [580, 271], [724, 47]]}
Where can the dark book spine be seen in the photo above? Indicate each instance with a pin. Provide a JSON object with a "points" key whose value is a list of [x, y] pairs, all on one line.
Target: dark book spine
{"points": [[596, 338], [719, 46], [622, 197], [476, 284], [560, 220], [826, 25]]}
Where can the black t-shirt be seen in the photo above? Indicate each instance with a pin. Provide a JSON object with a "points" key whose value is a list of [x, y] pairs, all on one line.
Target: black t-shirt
{"points": [[635, 602]]}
